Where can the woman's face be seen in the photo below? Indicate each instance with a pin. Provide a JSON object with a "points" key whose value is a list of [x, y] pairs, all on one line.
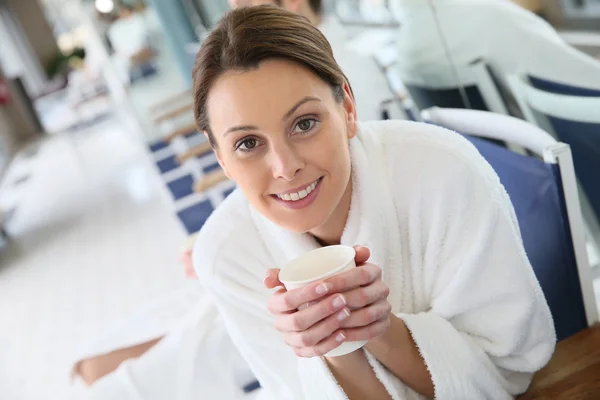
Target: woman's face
{"points": [[283, 138]]}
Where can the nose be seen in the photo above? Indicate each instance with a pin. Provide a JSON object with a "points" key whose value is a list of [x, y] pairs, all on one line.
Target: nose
{"points": [[285, 161]]}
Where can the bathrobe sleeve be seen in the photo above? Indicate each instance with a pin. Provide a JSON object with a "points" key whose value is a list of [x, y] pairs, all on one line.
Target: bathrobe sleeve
{"points": [[233, 277], [488, 327]]}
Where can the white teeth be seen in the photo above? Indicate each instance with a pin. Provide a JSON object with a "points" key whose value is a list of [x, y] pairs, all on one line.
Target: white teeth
{"points": [[299, 195]]}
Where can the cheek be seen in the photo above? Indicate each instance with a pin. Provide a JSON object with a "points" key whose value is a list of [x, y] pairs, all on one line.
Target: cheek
{"points": [[332, 153], [252, 177]]}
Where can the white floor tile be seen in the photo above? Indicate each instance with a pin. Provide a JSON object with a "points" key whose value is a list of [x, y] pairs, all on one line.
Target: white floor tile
{"points": [[94, 237]]}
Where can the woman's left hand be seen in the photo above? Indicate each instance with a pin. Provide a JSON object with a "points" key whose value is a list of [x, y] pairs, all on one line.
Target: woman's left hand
{"points": [[366, 297], [188, 266]]}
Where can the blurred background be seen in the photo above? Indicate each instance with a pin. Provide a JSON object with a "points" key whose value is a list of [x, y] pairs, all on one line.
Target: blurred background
{"points": [[104, 179]]}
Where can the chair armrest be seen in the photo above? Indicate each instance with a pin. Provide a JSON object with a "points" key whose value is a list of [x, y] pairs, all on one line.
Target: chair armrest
{"points": [[170, 100], [181, 132], [210, 180], [174, 113], [194, 152]]}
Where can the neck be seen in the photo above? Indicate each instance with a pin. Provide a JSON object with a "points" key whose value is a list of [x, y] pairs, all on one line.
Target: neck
{"points": [[330, 233]]}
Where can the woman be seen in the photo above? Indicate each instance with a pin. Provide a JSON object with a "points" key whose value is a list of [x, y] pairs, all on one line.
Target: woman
{"points": [[444, 294]]}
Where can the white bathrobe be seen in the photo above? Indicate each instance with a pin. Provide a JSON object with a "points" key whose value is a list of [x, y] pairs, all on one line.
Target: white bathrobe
{"points": [[440, 225]]}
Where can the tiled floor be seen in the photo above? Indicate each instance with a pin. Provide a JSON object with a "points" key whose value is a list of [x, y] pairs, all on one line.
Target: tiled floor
{"points": [[94, 237]]}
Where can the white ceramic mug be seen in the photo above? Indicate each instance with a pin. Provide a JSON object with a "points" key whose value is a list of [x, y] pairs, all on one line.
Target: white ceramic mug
{"points": [[318, 265]]}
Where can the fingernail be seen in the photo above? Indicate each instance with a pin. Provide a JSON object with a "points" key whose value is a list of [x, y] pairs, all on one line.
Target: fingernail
{"points": [[343, 315], [339, 302], [340, 337], [322, 289]]}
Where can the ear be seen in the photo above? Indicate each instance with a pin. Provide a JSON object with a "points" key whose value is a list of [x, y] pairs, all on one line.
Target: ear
{"points": [[350, 111], [219, 159], [222, 165]]}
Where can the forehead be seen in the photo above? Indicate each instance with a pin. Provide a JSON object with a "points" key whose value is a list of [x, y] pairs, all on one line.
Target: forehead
{"points": [[269, 90]]}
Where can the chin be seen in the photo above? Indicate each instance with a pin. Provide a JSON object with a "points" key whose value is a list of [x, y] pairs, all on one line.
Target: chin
{"points": [[298, 225]]}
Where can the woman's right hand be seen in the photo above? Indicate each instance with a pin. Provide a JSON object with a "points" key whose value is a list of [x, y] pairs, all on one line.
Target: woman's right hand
{"points": [[310, 331], [315, 330]]}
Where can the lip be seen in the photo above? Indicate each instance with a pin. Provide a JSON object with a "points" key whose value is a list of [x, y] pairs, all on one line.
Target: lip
{"points": [[298, 188], [302, 203]]}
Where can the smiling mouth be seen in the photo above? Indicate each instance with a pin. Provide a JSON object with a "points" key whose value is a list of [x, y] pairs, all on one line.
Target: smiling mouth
{"points": [[299, 195]]}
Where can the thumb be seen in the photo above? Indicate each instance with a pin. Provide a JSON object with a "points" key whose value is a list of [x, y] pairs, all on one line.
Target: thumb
{"points": [[362, 254], [272, 279]]}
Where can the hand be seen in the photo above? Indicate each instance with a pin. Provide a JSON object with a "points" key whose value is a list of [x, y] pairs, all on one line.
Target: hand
{"points": [[348, 307]]}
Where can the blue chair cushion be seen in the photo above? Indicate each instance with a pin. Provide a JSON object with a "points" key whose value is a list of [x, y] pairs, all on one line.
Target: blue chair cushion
{"points": [[251, 387], [584, 139], [447, 98], [167, 164], [562, 88], [210, 168], [535, 191], [142, 71], [181, 187], [194, 217], [194, 134], [228, 192], [158, 145]]}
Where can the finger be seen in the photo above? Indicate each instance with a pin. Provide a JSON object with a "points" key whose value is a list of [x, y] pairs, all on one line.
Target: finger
{"points": [[365, 295], [354, 278], [368, 315], [307, 317], [295, 298], [325, 346], [272, 279], [369, 332], [362, 254], [318, 332]]}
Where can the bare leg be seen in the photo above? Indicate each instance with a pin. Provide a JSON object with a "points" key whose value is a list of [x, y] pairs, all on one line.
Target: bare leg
{"points": [[95, 368]]}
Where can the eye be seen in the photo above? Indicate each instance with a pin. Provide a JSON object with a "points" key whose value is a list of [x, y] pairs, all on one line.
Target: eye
{"points": [[247, 144], [305, 125]]}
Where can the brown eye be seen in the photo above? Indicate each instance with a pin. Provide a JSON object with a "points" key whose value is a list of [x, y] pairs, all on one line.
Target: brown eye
{"points": [[247, 144], [305, 125]]}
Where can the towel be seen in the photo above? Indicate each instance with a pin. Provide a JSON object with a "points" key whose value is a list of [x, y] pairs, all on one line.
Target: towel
{"points": [[440, 225]]}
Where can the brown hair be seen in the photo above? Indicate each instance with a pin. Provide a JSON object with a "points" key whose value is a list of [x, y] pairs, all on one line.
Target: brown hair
{"points": [[248, 35]]}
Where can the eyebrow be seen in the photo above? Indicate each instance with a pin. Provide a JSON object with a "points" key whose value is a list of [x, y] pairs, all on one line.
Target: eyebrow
{"points": [[244, 128], [249, 128], [304, 100]]}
